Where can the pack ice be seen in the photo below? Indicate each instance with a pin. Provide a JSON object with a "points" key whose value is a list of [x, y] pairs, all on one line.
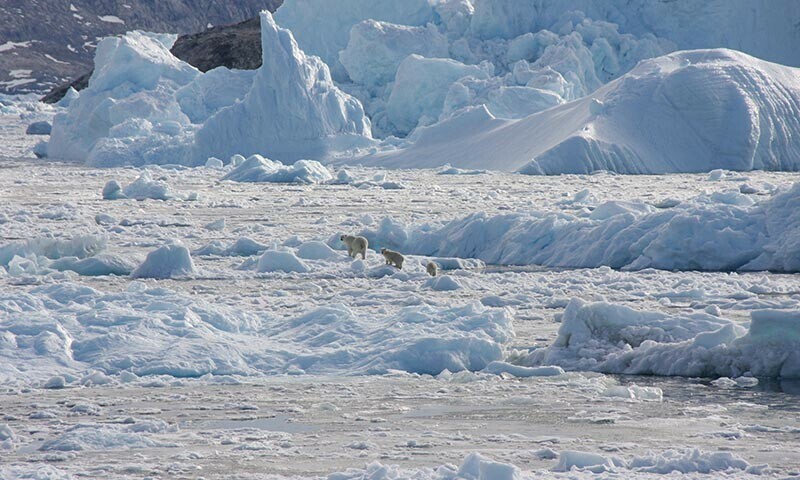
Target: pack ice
{"points": [[725, 231], [67, 333], [616, 339]]}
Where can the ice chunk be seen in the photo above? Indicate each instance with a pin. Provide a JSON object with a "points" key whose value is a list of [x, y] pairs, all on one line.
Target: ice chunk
{"points": [[95, 266], [280, 261], [169, 261], [39, 128], [214, 163], [316, 251], [700, 234], [498, 368], [80, 246], [93, 437], [569, 459], [145, 187], [112, 190], [133, 82], [443, 283], [258, 169]]}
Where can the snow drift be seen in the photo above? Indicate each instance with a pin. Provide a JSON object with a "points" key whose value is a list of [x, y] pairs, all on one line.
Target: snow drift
{"points": [[615, 339], [690, 111], [719, 232]]}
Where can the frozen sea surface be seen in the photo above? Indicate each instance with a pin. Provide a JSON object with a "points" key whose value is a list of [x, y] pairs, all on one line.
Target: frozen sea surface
{"points": [[271, 417]]}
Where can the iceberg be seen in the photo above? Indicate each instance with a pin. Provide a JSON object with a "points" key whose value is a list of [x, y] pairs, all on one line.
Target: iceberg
{"points": [[293, 110], [145, 106], [690, 111]]}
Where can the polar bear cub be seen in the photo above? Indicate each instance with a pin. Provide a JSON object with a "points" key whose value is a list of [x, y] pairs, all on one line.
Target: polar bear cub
{"points": [[393, 258], [432, 269], [355, 245]]}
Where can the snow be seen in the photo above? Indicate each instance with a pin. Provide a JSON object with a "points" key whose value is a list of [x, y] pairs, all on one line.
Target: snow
{"points": [[8, 46], [169, 261], [111, 19]]}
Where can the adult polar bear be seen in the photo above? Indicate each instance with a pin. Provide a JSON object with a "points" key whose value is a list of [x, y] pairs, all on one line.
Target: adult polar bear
{"points": [[355, 245]]}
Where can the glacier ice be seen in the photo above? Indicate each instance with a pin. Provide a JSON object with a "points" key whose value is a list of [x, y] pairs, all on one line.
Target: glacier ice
{"points": [[536, 86], [327, 38]]}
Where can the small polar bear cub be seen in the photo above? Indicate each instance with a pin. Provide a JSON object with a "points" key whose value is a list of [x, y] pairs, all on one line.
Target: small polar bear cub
{"points": [[432, 269], [393, 258], [355, 245]]}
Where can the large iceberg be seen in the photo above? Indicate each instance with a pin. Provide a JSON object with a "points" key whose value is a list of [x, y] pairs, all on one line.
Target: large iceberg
{"points": [[128, 112], [690, 111], [293, 110], [145, 106], [538, 86]]}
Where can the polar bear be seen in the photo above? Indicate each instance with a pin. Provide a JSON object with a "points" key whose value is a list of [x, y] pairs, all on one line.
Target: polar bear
{"points": [[432, 269], [355, 245], [393, 258]]}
